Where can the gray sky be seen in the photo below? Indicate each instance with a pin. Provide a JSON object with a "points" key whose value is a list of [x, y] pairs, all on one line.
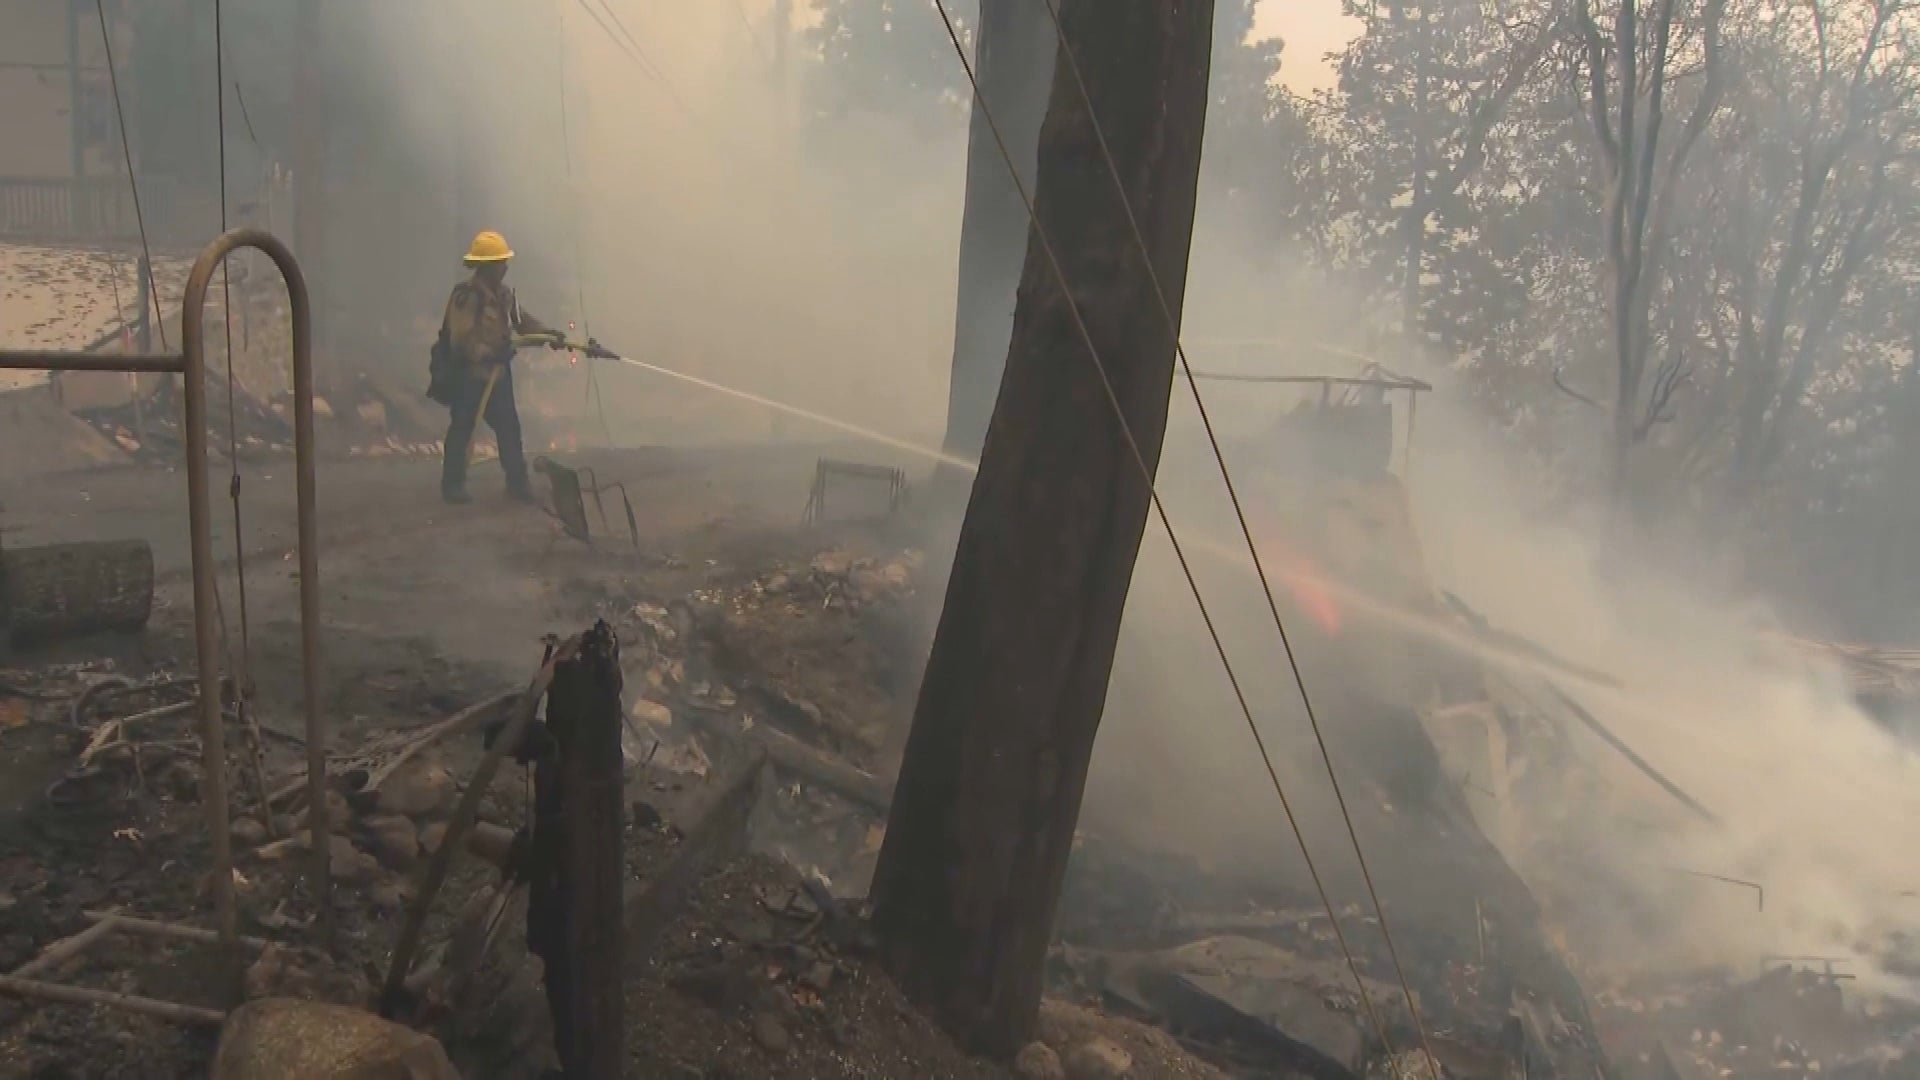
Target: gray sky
{"points": [[1311, 29]]}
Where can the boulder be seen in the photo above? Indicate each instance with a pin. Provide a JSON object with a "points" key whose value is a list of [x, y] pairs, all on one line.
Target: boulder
{"points": [[348, 864], [1037, 1061], [420, 789], [1099, 1058], [289, 1039], [393, 840], [248, 833]]}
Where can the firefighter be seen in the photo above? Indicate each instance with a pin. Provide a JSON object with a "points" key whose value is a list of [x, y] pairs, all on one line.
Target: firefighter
{"points": [[472, 367]]}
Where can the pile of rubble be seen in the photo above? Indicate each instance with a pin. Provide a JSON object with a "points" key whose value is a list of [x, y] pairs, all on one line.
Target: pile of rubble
{"points": [[368, 417], [1788, 1021]]}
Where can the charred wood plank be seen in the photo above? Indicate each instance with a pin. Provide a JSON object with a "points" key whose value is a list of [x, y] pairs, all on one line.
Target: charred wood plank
{"points": [[574, 917]]}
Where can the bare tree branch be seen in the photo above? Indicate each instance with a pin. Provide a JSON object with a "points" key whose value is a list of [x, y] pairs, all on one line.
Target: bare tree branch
{"points": [[1575, 394]]}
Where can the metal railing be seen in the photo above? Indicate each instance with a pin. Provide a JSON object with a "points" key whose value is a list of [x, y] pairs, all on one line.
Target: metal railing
{"points": [[66, 209], [190, 363]]}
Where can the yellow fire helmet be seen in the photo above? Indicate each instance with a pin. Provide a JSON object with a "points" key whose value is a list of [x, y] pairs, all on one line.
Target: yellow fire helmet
{"points": [[489, 247]]}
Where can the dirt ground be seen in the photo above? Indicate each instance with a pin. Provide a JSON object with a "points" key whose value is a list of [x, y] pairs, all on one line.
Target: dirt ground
{"points": [[426, 610]]}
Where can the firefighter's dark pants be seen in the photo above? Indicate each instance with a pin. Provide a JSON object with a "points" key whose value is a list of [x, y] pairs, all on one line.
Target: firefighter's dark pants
{"points": [[502, 417]]}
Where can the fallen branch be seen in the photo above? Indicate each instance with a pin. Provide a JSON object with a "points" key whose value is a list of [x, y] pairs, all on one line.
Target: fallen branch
{"points": [[133, 924], [459, 723], [1594, 725], [73, 995], [791, 755], [63, 950], [416, 741], [113, 732]]}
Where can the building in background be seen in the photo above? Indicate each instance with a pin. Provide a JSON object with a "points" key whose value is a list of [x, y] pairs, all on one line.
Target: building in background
{"points": [[62, 174]]}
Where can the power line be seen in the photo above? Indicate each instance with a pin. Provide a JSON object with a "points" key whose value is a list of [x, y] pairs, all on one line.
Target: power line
{"points": [[133, 179], [1146, 474], [638, 55], [1246, 530], [753, 35], [243, 675]]}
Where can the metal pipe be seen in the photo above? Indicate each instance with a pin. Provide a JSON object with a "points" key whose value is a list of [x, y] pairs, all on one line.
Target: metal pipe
{"points": [[1396, 383], [206, 642], [200, 528], [55, 360]]}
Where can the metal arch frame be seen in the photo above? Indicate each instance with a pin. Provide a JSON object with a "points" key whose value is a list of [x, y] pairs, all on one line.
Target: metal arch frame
{"points": [[1386, 381], [190, 363]]}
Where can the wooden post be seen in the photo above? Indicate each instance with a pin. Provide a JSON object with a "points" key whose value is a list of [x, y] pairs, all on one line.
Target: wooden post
{"points": [[989, 792], [577, 905]]}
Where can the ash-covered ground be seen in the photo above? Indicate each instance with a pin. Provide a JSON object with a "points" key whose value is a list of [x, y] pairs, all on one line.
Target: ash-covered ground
{"points": [[746, 635]]}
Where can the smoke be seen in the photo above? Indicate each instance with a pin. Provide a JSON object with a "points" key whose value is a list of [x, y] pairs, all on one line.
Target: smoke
{"points": [[682, 203], [1809, 791]]}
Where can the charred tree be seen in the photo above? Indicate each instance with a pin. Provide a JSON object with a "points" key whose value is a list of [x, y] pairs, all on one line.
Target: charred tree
{"points": [[1014, 63], [575, 911], [989, 791]]}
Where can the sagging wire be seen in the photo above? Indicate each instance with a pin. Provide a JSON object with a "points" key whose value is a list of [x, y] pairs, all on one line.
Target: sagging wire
{"points": [[133, 179], [1166, 523], [1066, 53], [594, 396], [640, 59], [243, 671], [233, 412]]}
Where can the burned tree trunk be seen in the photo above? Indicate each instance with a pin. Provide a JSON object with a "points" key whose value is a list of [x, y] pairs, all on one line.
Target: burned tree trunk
{"points": [[1014, 63], [989, 792], [67, 590], [575, 913]]}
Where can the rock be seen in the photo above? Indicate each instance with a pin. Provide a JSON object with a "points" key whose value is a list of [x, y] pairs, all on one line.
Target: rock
{"points": [[291, 971], [1037, 1061], [274, 1038], [652, 713], [393, 840], [431, 836], [1099, 1058], [248, 833], [349, 864], [421, 789], [819, 975], [491, 842], [770, 1033], [387, 897], [285, 824], [832, 563]]}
